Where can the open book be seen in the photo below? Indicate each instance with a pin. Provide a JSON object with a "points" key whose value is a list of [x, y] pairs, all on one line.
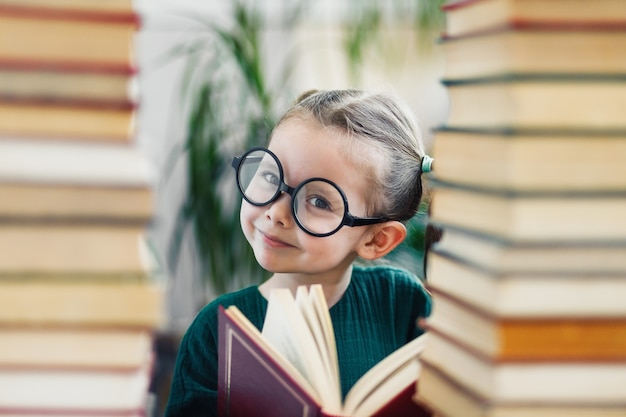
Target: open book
{"points": [[291, 368]]}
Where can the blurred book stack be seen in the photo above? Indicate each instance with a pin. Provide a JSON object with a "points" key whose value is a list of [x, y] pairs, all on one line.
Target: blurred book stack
{"points": [[79, 295], [529, 187]]}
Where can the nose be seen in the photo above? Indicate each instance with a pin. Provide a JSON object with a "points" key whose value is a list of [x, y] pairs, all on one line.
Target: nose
{"points": [[279, 211]]}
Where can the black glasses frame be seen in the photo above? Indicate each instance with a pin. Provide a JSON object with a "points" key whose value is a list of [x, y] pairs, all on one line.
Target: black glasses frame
{"points": [[347, 220]]}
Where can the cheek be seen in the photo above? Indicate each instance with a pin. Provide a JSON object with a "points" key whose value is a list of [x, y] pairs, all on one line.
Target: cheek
{"points": [[334, 247], [247, 216]]}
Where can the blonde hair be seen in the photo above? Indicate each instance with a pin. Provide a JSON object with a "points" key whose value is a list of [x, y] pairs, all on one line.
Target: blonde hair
{"points": [[382, 121]]}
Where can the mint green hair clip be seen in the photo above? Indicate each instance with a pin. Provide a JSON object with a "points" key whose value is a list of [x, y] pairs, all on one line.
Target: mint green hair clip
{"points": [[427, 164]]}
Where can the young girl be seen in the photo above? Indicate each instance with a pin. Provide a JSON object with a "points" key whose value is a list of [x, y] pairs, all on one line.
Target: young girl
{"points": [[341, 175]]}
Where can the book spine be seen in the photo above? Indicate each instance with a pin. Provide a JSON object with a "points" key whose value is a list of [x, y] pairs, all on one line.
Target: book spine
{"points": [[539, 26], [78, 103], [106, 17], [68, 67]]}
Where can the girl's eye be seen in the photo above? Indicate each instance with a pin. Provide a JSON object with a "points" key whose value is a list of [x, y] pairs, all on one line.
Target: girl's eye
{"points": [[320, 203], [271, 178]]}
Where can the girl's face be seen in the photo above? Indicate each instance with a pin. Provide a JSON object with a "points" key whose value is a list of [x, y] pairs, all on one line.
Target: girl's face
{"points": [[306, 150]]}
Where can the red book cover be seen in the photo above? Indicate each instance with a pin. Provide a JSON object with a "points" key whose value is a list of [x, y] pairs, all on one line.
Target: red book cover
{"points": [[250, 381]]}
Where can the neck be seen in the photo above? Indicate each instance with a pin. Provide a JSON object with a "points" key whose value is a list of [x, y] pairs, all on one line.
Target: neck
{"points": [[334, 285]]}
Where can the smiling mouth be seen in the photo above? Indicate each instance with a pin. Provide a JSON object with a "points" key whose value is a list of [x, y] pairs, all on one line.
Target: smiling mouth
{"points": [[273, 241]]}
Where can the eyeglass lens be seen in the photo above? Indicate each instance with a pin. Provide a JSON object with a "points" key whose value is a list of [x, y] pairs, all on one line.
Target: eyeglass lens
{"points": [[317, 205]]}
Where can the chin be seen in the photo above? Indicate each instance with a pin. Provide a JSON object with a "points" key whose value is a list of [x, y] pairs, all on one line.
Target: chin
{"points": [[266, 263], [273, 267]]}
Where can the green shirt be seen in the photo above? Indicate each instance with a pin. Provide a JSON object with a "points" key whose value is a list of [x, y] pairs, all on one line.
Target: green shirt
{"points": [[376, 315]]}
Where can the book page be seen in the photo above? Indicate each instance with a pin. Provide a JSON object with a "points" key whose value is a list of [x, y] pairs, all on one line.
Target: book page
{"points": [[70, 163], [318, 301], [386, 379], [305, 302], [397, 382], [286, 329]]}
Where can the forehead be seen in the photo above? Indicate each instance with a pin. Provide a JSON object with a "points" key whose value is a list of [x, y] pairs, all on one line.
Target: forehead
{"points": [[307, 149]]}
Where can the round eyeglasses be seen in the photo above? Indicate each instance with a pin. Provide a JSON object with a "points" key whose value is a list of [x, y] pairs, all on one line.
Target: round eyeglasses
{"points": [[318, 205]]}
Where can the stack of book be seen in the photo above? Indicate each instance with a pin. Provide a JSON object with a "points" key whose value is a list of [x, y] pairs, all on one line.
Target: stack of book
{"points": [[79, 302], [529, 187]]}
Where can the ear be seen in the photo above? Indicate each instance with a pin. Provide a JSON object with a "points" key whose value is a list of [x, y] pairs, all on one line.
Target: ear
{"points": [[383, 239]]}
